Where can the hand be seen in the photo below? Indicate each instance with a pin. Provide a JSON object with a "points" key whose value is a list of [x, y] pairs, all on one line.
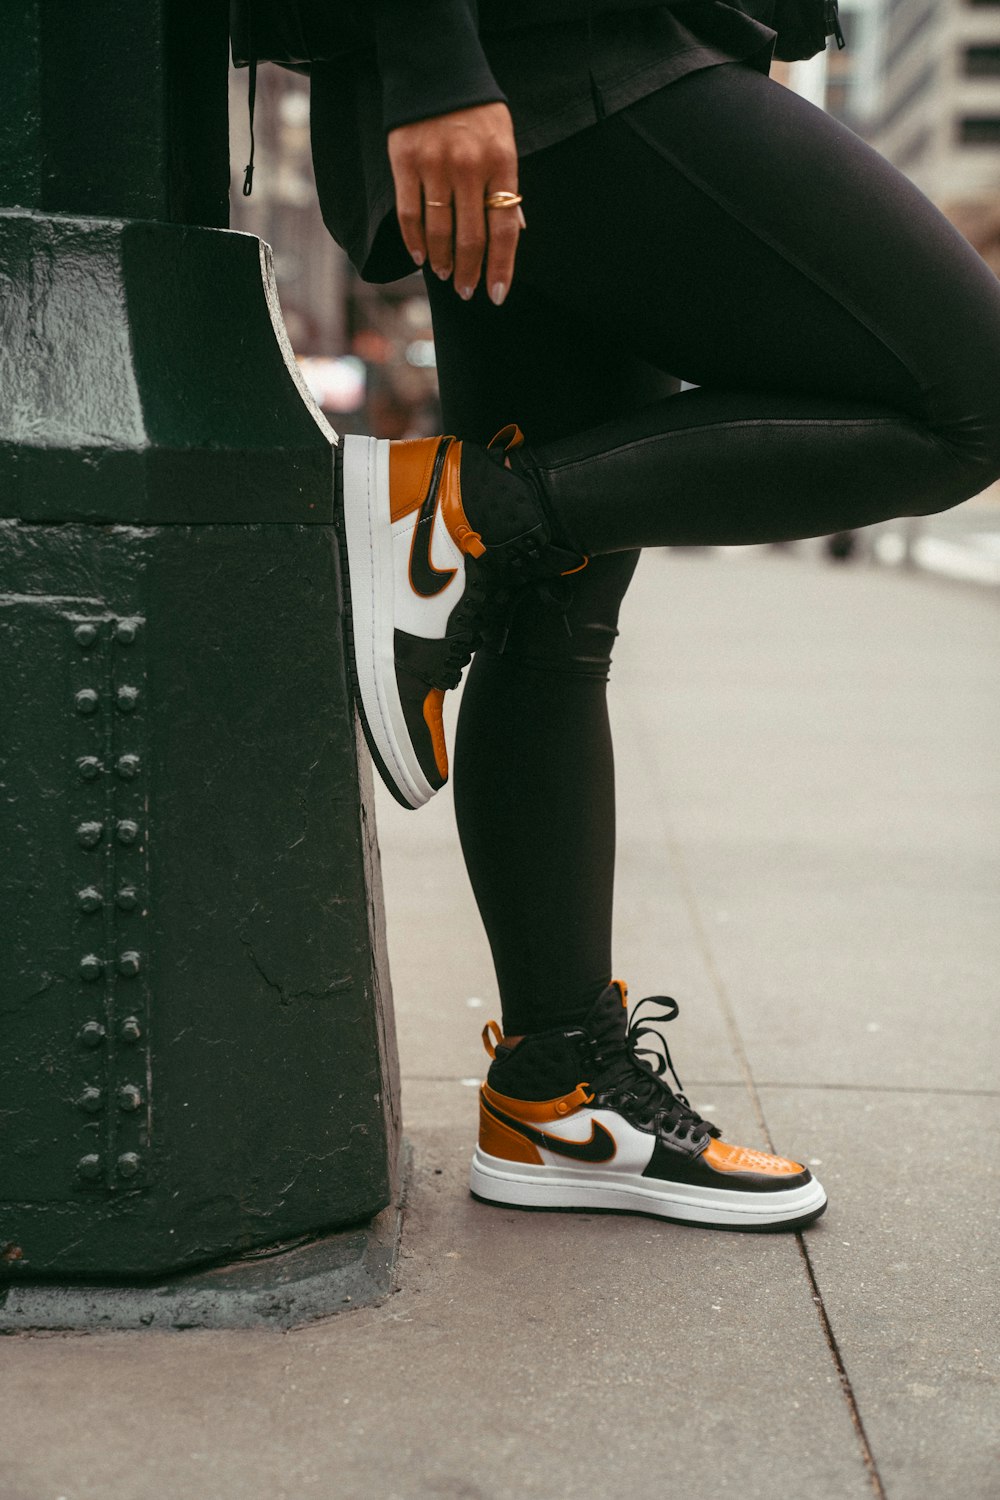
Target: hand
{"points": [[456, 160]]}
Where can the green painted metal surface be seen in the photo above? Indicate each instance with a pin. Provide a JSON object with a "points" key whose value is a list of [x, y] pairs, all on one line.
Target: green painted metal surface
{"points": [[145, 379], [197, 1055]]}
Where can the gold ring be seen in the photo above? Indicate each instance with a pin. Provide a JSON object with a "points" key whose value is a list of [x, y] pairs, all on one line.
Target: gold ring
{"points": [[502, 200]]}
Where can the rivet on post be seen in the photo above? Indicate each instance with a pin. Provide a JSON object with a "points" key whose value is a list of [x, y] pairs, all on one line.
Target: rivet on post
{"points": [[89, 834], [89, 899], [86, 701], [89, 767], [129, 963], [91, 1100], [127, 766], [86, 634], [127, 831], [129, 1096], [91, 967], [89, 1167], [128, 1164], [130, 1030], [92, 1033], [127, 698]]}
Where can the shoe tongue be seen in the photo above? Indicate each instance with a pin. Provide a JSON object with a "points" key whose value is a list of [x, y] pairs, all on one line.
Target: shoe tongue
{"points": [[608, 1025], [608, 1018]]}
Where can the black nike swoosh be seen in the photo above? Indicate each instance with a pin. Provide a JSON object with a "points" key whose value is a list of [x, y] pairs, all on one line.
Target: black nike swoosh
{"points": [[426, 580], [600, 1147]]}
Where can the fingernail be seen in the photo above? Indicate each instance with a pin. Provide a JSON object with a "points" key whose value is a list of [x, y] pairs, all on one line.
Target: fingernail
{"points": [[521, 219], [465, 292], [443, 274], [418, 257], [498, 292]]}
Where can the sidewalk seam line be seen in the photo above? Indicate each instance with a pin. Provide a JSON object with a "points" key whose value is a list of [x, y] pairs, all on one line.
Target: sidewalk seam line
{"points": [[736, 1041], [737, 1083], [847, 1390]]}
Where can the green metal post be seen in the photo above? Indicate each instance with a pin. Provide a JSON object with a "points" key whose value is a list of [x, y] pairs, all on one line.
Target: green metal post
{"points": [[196, 1041]]}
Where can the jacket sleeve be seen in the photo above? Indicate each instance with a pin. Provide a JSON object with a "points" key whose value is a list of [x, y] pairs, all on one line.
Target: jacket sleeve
{"points": [[430, 59]]}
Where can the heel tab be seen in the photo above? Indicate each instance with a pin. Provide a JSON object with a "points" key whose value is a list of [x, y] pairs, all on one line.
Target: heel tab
{"points": [[509, 437], [492, 1039]]}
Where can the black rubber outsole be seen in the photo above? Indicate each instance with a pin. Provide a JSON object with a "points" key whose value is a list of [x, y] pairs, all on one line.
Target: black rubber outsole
{"points": [[348, 618], [790, 1226]]}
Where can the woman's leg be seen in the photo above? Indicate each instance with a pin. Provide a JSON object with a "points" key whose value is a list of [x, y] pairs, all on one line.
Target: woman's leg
{"points": [[534, 772], [845, 339], [847, 346]]}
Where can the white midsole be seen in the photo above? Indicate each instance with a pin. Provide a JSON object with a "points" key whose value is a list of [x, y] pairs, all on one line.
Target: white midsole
{"points": [[368, 534], [524, 1185]]}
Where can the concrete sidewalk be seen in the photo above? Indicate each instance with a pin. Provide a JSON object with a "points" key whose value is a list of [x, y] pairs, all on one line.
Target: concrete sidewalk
{"points": [[809, 774]]}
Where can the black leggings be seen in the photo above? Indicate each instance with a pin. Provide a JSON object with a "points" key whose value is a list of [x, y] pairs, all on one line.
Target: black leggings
{"points": [[846, 345]]}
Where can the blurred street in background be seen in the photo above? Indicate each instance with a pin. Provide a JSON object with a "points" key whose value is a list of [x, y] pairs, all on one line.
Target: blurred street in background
{"points": [[366, 351]]}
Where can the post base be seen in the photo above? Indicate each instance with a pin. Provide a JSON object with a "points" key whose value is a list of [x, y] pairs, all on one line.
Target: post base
{"points": [[281, 1288]]}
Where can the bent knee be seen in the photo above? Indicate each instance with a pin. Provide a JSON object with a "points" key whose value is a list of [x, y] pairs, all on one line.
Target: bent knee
{"points": [[973, 445]]}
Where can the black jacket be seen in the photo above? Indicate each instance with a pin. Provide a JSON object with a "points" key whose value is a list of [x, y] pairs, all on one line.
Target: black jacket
{"points": [[414, 59], [430, 57]]}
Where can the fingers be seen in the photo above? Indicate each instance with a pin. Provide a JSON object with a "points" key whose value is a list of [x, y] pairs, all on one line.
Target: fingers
{"points": [[443, 169], [439, 229], [410, 210], [505, 225], [470, 236]]}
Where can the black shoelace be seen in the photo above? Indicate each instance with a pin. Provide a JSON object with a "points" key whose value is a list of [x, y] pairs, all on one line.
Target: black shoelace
{"points": [[483, 610], [487, 606], [633, 1070]]}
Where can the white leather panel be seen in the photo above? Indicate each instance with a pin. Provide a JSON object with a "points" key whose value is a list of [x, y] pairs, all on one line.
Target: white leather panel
{"points": [[414, 614], [634, 1147]]}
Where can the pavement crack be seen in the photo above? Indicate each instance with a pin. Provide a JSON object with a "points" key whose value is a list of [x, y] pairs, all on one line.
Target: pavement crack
{"points": [[846, 1388]]}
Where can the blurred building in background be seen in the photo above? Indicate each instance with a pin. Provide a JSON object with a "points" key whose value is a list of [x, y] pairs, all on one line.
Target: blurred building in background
{"points": [[920, 80], [366, 351]]}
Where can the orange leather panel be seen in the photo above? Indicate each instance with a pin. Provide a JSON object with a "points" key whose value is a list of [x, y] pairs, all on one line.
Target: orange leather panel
{"points": [[411, 464], [622, 990], [726, 1158], [435, 723], [492, 1037], [511, 436], [539, 1111], [499, 1140], [451, 507]]}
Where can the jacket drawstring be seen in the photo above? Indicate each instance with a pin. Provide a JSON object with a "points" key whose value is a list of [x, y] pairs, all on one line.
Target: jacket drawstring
{"points": [[251, 98], [251, 101]]}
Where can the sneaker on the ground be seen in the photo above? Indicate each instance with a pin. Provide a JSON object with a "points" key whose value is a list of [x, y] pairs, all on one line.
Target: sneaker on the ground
{"points": [[582, 1118], [420, 586]]}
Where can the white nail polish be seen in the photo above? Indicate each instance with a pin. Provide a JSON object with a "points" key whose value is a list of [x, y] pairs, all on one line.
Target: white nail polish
{"points": [[498, 292], [465, 292]]}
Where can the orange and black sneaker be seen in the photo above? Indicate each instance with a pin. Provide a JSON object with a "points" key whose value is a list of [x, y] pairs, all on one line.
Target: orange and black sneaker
{"points": [[422, 585], [583, 1119]]}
